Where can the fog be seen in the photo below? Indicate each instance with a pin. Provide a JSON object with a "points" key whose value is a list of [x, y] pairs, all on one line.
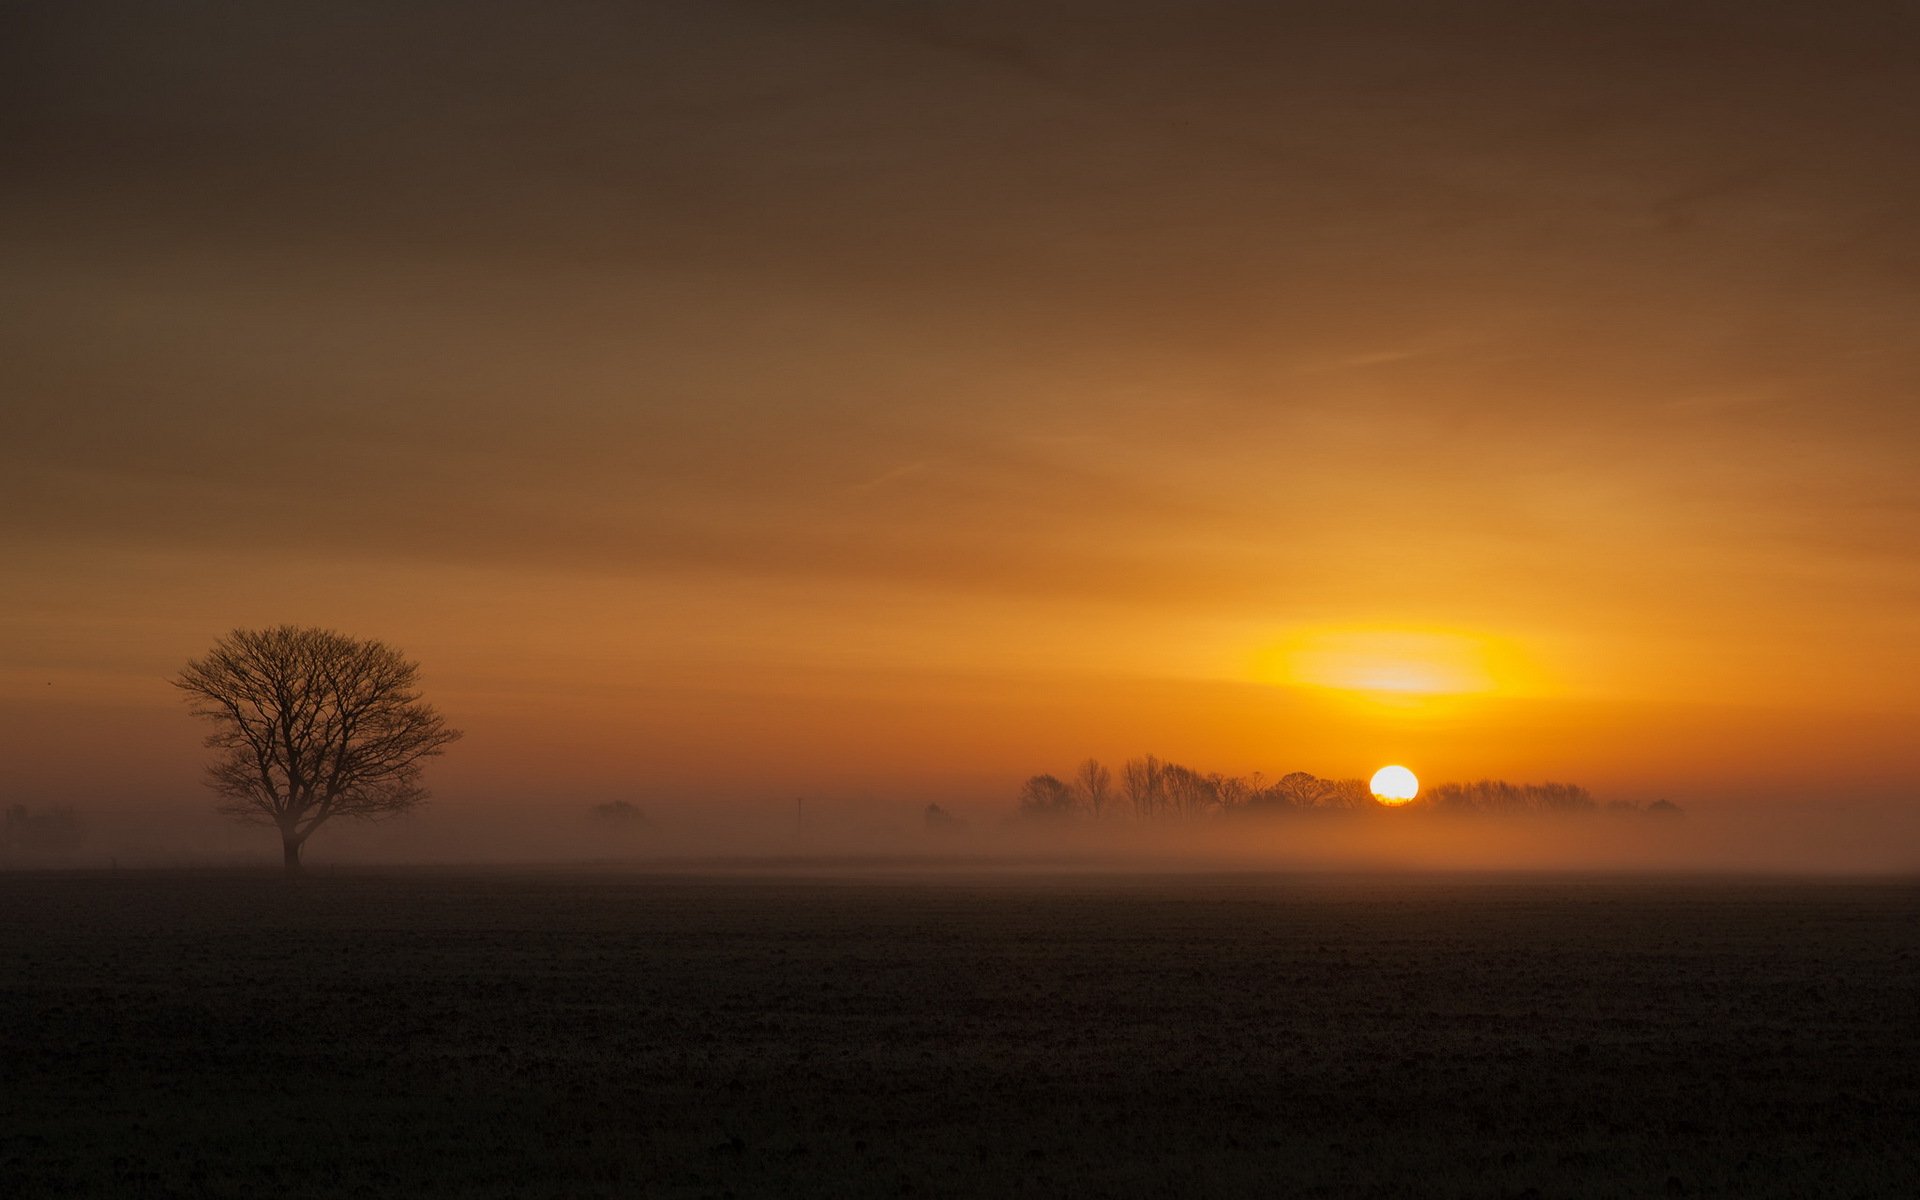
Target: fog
{"points": [[856, 834]]}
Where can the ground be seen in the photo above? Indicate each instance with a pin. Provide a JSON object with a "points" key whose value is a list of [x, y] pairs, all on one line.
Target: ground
{"points": [[421, 1033]]}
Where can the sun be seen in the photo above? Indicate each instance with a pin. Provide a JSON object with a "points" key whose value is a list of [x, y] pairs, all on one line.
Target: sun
{"points": [[1394, 785]]}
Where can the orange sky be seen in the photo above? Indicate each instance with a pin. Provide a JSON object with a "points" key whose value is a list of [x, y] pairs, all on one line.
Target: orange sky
{"points": [[906, 398]]}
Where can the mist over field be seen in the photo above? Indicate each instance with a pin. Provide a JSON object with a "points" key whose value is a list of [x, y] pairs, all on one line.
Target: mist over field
{"points": [[877, 834]]}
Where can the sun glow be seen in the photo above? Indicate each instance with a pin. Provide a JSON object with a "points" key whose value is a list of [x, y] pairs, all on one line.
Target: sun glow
{"points": [[1387, 663], [1394, 785]]}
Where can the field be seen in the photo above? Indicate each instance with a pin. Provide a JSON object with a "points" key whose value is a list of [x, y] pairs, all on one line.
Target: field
{"points": [[872, 1034]]}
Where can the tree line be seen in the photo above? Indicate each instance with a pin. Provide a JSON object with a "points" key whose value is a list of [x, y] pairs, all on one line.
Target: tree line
{"points": [[1148, 788]]}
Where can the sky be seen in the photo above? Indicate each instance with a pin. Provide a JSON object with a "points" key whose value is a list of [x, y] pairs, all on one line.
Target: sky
{"points": [[726, 401]]}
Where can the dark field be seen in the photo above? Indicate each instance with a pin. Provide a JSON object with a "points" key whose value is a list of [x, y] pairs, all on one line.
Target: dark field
{"points": [[577, 1035]]}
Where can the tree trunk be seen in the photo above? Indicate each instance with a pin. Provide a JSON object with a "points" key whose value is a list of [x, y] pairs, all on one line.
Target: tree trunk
{"points": [[290, 849]]}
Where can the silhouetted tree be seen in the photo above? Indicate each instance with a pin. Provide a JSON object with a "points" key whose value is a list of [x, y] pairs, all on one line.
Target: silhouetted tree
{"points": [[1142, 781], [1298, 789], [1046, 796], [1664, 808], [619, 814], [1188, 792], [941, 821], [1349, 794], [1499, 797], [1233, 792], [1095, 785], [312, 725]]}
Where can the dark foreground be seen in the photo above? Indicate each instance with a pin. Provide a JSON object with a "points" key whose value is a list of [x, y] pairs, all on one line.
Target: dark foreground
{"points": [[565, 1036]]}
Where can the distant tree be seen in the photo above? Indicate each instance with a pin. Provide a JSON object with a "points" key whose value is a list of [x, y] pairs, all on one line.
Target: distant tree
{"points": [[619, 813], [1497, 797], [1664, 808], [1046, 796], [1563, 797], [1349, 794], [1230, 792], [1298, 789], [1095, 785], [1188, 792], [311, 725], [1143, 782], [940, 820]]}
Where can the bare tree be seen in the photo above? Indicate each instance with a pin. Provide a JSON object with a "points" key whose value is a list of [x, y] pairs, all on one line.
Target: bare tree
{"points": [[1232, 792], [312, 725], [1500, 796], [1188, 792], [619, 815], [1350, 794], [939, 820], [1298, 789], [1046, 796], [1145, 785], [1095, 785]]}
